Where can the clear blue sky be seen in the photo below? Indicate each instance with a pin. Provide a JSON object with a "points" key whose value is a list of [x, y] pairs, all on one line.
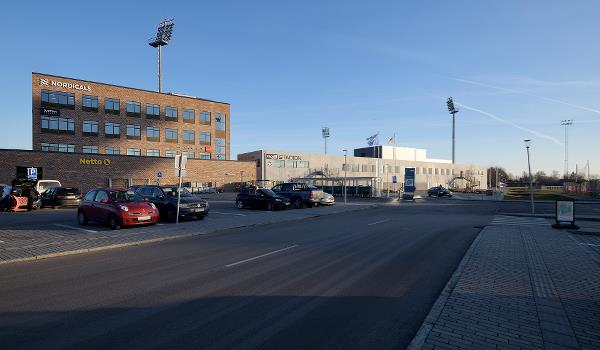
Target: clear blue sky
{"points": [[287, 68]]}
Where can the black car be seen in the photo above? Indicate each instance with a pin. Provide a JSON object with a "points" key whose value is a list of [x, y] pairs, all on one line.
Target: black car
{"points": [[61, 197], [165, 199], [439, 191], [260, 198]]}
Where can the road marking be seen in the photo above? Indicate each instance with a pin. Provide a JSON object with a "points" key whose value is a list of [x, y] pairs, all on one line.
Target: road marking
{"points": [[222, 213], [590, 244], [75, 228], [378, 222], [261, 256]]}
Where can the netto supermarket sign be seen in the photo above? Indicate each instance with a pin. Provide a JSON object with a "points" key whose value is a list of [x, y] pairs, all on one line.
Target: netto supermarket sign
{"points": [[50, 82], [93, 161]]}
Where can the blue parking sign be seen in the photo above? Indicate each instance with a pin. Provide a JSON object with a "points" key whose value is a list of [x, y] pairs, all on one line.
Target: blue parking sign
{"points": [[32, 173]]}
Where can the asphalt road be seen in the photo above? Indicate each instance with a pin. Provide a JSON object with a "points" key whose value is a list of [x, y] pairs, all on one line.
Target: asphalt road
{"points": [[364, 279]]}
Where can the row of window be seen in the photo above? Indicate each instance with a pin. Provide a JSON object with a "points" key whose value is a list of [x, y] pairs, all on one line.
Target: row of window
{"points": [[90, 127], [290, 164], [68, 148], [395, 169], [133, 108]]}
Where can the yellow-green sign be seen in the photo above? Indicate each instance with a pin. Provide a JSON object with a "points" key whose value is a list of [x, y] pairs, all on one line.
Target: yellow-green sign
{"points": [[93, 161]]}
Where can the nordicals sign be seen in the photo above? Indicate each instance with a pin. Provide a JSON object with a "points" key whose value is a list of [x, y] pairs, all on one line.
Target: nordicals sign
{"points": [[48, 82]]}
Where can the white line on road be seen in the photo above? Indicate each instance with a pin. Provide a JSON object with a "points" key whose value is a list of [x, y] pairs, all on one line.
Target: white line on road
{"points": [[378, 222], [590, 244], [261, 256], [222, 213], [75, 228]]}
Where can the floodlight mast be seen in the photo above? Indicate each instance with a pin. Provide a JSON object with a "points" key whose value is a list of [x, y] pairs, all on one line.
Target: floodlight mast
{"points": [[163, 36], [452, 110]]}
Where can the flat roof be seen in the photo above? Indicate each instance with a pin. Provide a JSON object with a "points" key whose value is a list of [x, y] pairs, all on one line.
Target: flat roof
{"points": [[132, 88]]}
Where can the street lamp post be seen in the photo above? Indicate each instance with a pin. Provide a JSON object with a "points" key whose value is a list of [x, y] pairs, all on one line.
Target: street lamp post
{"points": [[566, 124], [345, 175], [452, 110], [527, 145]]}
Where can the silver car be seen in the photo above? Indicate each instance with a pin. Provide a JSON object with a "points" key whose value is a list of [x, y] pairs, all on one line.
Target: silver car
{"points": [[327, 199]]}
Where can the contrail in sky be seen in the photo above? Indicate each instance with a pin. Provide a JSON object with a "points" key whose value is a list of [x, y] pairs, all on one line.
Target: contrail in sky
{"points": [[502, 120], [588, 109]]}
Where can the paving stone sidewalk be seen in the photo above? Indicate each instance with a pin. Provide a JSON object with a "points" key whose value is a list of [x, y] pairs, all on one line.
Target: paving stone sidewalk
{"points": [[521, 285]]}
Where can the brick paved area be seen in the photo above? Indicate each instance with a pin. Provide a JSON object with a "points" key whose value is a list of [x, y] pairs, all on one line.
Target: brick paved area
{"points": [[522, 285]]}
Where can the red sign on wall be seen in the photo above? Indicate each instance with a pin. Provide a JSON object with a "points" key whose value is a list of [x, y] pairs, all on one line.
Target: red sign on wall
{"points": [[207, 149]]}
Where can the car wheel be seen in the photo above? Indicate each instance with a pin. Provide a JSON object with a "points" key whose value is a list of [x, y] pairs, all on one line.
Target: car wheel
{"points": [[297, 203], [54, 207], [239, 204], [82, 218], [113, 222], [270, 206]]}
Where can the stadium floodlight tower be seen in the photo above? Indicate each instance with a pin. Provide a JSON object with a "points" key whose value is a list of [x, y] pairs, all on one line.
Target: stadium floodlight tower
{"points": [[452, 110], [325, 134], [163, 36], [566, 123]]}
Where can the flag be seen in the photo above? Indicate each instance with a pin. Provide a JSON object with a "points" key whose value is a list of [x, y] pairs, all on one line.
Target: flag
{"points": [[392, 140], [373, 140]]}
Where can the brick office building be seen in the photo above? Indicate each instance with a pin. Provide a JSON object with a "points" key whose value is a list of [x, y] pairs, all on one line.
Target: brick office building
{"points": [[71, 115], [89, 134]]}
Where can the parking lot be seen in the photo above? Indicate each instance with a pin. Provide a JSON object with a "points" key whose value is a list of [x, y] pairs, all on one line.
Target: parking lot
{"points": [[50, 232]]}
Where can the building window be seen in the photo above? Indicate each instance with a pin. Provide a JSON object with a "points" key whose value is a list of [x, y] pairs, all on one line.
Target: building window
{"points": [[134, 132], [89, 103], [302, 164], [90, 127], [89, 149], [134, 109], [205, 138], [290, 163], [354, 168], [277, 163], [171, 113], [373, 168], [152, 133], [171, 135], [396, 169], [58, 147], [436, 171], [205, 117], [219, 121], [189, 136], [112, 106], [112, 130], [189, 155], [58, 124], [133, 152], [204, 155], [58, 98], [189, 116], [220, 148], [417, 171], [429, 171], [170, 154], [112, 150], [152, 111], [152, 153]]}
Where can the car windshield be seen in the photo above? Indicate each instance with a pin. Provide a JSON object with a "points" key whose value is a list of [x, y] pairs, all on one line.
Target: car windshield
{"points": [[125, 196], [172, 192], [268, 192]]}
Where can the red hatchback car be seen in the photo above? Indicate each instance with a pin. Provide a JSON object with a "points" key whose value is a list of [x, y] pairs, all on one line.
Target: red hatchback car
{"points": [[116, 208]]}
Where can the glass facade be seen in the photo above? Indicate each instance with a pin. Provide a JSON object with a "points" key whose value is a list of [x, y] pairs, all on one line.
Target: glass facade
{"points": [[220, 148], [58, 147], [58, 98], [220, 121], [58, 124]]}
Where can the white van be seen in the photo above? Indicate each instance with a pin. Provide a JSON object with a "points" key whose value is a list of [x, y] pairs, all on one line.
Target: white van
{"points": [[42, 185]]}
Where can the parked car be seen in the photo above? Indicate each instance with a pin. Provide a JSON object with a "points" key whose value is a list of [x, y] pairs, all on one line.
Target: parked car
{"points": [[299, 194], [116, 207], [260, 198], [13, 199], [327, 199], [439, 191], [165, 199], [43, 185], [61, 197]]}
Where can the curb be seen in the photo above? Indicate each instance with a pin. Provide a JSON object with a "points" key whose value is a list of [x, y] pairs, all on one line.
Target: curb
{"points": [[431, 319], [547, 216], [179, 236]]}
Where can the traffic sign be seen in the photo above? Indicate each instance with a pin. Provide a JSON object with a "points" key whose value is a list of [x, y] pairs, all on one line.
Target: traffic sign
{"points": [[159, 174], [32, 173], [394, 179]]}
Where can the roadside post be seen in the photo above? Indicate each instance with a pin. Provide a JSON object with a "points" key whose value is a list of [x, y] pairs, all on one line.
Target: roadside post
{"points": [[409, 184], [395, 182], [180, 162], [565, 214]]}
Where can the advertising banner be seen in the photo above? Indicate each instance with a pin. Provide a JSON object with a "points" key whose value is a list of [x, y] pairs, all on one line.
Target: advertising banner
{"points": [[409, 180]]}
